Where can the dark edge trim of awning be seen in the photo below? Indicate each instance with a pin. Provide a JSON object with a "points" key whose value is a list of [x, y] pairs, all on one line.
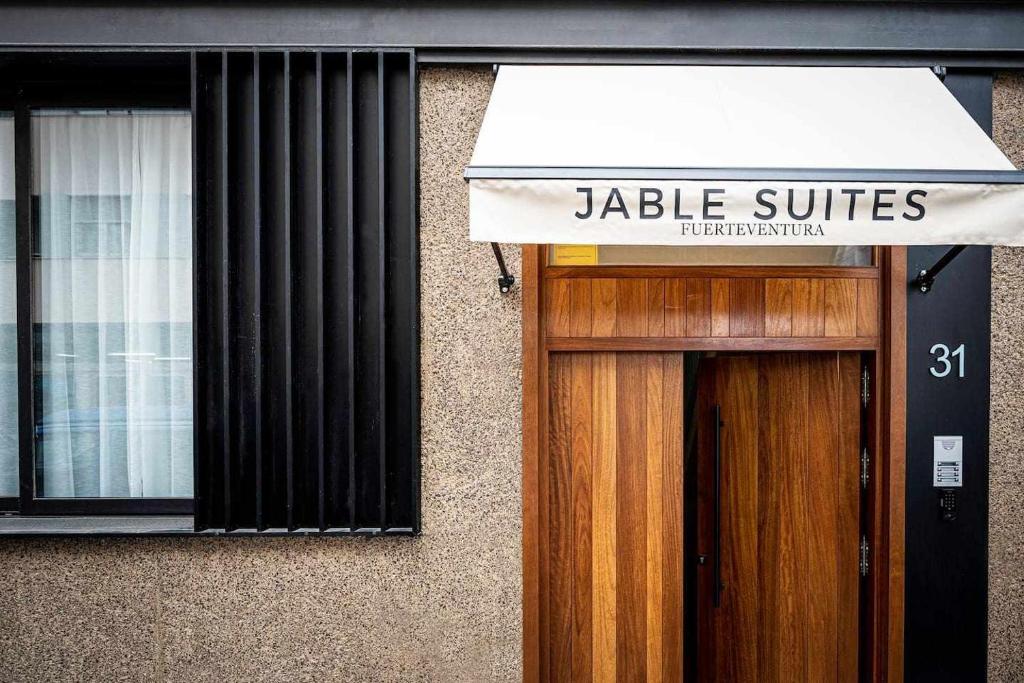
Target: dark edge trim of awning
{"points": [[860, 175]]}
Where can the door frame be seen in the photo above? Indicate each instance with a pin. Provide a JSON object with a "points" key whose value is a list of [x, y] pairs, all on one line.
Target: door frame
{"points": [[881, 643]]}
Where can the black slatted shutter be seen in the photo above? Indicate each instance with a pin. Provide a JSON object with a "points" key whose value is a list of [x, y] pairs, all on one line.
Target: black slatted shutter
{"points": [[306, 291]]}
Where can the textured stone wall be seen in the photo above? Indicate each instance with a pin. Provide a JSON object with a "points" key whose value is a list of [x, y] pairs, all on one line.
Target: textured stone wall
{"points": [[444, 606], [1006, 456]]}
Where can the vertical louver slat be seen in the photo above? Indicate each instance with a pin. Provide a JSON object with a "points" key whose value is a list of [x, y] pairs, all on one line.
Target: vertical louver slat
{"points": [[368, 294], [199, 365], [350, 279], [243, 276], [319, 306], [211, 416], [286, 298], [255, 308], [276, 254], [382, 285], [307, 303], [402, 290], [307, 347], [224, 284]]}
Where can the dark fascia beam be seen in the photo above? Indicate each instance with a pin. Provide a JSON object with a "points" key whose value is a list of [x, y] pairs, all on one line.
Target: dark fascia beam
{"points": [[910, 30]]}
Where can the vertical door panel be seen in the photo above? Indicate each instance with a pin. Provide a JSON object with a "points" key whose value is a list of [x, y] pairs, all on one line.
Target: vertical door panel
{"points": [[631, 513], [671, 520], [614, 590], [582, 535], [560, 554], [740, 606], [654, 476], [789, 501], [603, 523], [848, 500]]}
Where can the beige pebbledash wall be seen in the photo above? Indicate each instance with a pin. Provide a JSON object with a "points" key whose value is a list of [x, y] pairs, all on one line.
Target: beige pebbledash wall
{"points": [[444, 606], [441, 607], [1006, 456]]}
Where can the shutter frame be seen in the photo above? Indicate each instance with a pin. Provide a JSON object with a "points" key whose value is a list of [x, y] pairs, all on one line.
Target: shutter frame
{"points": [[306, 291]]}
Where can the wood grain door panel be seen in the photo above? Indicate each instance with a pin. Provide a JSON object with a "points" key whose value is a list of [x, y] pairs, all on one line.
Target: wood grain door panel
{"points": [[613, 599], [789, 506], [709, 308]]}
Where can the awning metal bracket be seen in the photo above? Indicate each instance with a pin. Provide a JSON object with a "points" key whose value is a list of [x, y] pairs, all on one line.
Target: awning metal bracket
{"points": [[506, 280], [926, 278]]}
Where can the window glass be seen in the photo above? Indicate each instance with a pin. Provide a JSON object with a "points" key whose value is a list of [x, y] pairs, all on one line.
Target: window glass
{"points": [[8, 316], [608, 255], [112, 269]]}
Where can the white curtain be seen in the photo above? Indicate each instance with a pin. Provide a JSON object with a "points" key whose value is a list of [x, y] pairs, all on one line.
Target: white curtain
{"points": [[113, 358], [8, 316], [851, 256]]}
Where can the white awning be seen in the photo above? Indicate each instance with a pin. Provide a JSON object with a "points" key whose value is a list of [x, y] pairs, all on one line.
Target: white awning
{"points": [[707, 155]]}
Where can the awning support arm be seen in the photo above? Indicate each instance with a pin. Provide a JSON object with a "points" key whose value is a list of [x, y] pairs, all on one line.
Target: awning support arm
{"points": [[926, 278], [506, 280]]}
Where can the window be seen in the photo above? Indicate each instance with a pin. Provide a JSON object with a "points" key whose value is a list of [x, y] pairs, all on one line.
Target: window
{"points": [[107, 379], [709, 256], [210, 312], [112, 308], [8, 316]]}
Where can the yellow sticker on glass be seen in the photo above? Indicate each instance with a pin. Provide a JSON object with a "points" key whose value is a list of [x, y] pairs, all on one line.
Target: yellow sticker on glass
{"points": [[574, 255]]}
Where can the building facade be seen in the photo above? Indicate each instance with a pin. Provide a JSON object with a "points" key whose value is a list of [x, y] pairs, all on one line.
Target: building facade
{"points": [[440, 597]]}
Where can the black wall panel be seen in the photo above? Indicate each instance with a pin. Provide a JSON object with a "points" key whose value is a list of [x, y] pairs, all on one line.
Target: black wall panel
{"points": [[946, 583], [307, 393]]}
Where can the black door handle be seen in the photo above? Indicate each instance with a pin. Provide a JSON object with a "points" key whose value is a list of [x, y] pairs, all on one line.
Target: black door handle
{"points": [[716, 600]]}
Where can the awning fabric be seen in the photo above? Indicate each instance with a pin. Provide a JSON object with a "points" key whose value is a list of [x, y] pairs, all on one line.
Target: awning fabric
{"points": [[709, 155]]}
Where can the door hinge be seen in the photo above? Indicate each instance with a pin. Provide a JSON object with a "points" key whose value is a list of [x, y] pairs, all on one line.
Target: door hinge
{"points": [[865, 465], [865, 386], [864, 555]]}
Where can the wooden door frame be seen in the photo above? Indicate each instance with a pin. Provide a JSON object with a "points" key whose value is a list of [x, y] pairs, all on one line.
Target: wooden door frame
{"points": [[890, 498], [882, 645]]}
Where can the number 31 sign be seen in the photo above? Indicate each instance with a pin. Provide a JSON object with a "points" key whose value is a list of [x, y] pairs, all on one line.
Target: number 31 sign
{"points": [[942, 365]]}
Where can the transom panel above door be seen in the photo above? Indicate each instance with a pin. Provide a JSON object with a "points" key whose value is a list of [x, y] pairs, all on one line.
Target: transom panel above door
{"points": [[714, 310]]}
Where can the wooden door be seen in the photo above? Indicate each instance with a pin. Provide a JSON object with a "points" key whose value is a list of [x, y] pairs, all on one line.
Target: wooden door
{"points": [[787, 509], [611, 575]]}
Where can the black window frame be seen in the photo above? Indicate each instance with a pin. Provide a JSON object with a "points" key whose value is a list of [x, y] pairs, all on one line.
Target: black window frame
{"points": [[89, 83]]}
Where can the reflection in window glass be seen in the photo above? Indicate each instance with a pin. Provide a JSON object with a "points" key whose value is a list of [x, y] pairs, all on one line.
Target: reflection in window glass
{"points": [[112, 313], [8, 319]]}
